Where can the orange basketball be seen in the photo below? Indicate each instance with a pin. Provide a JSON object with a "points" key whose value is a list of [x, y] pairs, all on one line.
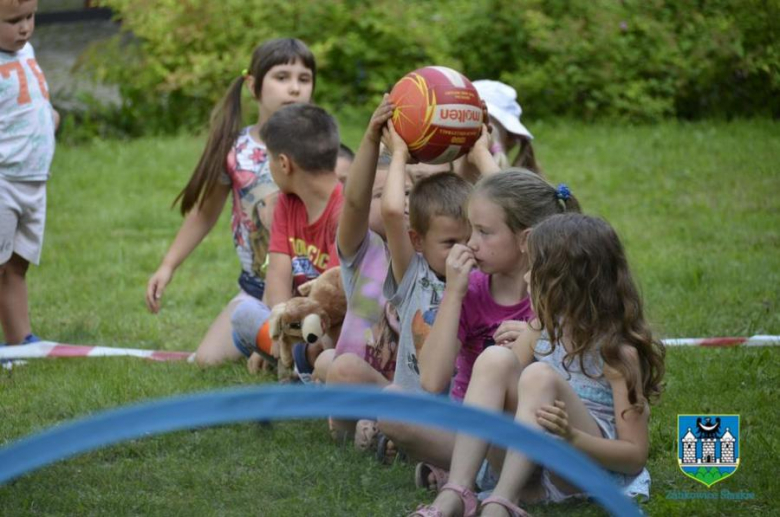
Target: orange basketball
{"points": [[438, 113]]}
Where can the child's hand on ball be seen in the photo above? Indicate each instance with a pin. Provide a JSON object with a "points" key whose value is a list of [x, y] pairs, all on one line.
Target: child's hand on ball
{"points": [[482, 144], [480, 156], [382, 114], [394, 143]]}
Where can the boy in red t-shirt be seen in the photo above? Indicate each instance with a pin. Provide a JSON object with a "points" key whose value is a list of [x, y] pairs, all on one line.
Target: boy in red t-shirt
{"points": [[303, 144]]}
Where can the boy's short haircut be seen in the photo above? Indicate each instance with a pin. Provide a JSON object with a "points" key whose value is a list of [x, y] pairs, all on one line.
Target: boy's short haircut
{"points": [[443, 193], [307, 134], [346, 152]]}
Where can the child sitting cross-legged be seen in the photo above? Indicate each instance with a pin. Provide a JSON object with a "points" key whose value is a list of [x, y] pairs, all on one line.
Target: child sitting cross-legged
{"points": [[303, 144], [584, 371], [418, 253]]}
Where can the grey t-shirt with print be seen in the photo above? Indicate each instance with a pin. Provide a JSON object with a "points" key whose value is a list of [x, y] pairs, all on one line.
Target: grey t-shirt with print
{"points": [[417, 301]]}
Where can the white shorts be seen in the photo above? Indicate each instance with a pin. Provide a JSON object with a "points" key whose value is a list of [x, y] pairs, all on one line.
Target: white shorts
{"points": [[22, 218]]}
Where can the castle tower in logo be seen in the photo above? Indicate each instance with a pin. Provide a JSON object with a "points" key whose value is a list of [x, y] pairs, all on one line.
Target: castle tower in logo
{"points": [[727, 447], [708, 446]]}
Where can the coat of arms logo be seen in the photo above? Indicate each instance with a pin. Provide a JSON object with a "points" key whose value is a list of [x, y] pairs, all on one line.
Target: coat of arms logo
{"points": [[708, 446]]}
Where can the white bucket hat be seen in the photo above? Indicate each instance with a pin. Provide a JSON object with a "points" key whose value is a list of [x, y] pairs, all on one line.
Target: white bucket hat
{"points": [[501, 100]]}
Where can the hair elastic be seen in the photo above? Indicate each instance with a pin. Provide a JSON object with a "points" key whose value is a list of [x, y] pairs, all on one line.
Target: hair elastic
{"points": [[244, 72], [562, 192]]}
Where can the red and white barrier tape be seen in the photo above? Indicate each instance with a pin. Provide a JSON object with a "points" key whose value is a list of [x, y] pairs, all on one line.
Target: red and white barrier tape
{"points": [[43, 349], [724, 341]]}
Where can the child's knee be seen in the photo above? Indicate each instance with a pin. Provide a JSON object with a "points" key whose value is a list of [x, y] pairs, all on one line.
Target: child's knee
{"points": [[346, 369], [537, 376], [322, 365], [247, 319], [495, 361], [393, 388]]}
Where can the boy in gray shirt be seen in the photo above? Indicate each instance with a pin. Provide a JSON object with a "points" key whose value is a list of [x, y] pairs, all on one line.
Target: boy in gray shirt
{"points": [[418, 254]]}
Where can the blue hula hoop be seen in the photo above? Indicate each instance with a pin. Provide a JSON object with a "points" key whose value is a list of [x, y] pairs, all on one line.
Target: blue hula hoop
{"points": [[290, 402]]}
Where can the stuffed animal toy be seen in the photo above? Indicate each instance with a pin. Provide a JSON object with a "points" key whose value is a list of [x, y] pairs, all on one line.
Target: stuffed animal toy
{"points": [[316, 316]]}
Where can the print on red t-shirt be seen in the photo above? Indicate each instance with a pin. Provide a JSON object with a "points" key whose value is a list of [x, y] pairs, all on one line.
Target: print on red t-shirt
{"points": [[311, 247]]}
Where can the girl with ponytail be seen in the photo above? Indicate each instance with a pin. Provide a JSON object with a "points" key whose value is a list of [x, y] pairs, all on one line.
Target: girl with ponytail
{"points": [[234, 163]]}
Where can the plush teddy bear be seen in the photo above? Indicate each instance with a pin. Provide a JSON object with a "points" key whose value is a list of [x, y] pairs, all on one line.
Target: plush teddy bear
{"points": [[315, 316]]}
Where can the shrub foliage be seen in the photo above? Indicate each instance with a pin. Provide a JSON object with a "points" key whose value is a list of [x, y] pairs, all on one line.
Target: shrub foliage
{"points": [[629, 59]]}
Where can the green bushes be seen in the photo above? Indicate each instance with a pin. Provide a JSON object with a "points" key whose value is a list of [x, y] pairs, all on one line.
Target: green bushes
{"points": [[630, 59], [635, 59]]}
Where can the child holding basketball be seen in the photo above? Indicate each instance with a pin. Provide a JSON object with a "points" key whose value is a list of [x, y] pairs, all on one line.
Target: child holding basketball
{"points": [[485, 300], [584, 371], [367, 347], [418, 251], [364, 260], [27, 125], [234, 163], [366, 351]]}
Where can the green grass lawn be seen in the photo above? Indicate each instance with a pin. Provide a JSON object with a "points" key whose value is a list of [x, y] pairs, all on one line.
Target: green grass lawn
{"points": [[696, 206]]}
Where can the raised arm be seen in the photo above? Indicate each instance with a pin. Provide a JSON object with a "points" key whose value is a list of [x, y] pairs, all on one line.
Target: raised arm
{"points": [[197, 224], [394, 206], [441, 347], [479, 161], [353, 223]]}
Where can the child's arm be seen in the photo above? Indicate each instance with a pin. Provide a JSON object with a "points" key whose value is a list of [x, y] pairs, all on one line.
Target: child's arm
{"points": [[394, 206], [278, 279], [440, 350], [523, 345], [628, 453], [353, 223], [197, 224], [479, 161]]}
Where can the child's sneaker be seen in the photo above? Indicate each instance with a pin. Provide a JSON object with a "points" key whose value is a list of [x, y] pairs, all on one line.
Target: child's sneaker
{"points": [[31, 338], [302, 368], [8, 364]]}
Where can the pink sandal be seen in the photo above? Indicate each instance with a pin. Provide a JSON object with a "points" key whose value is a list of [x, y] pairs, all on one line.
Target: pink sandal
{"points": [[467, 498], [512, 509], [423, 472]]}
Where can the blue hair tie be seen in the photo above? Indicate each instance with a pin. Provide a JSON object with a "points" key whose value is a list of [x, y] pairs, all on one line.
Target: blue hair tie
{"points": [[562, 192]]}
